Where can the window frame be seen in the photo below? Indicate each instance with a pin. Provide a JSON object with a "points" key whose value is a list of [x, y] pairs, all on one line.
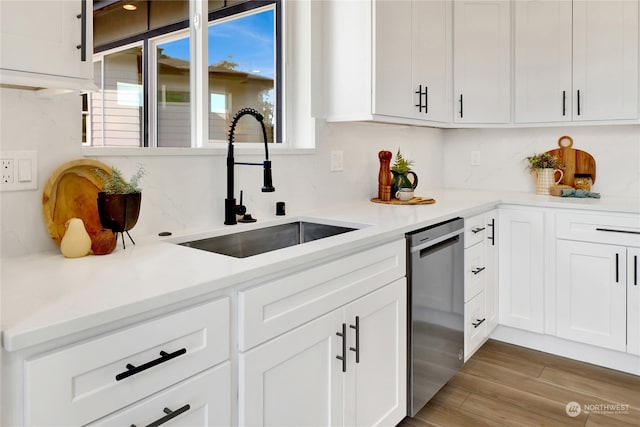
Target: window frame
{"points": [[198, 33]]}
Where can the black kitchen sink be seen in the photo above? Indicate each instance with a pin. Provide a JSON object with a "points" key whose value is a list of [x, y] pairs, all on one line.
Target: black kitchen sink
{"points": [[253, 242]]}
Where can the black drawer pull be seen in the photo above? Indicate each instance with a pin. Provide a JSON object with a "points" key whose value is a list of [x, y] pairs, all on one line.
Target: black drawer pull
{"points": [[478, 270], [613, 230], [170, 415], [493, 232], [164, 357], [635, 270], [357, 347], [617, 268], [564, 103], [477, 230], [475, 325], [344, 347]]}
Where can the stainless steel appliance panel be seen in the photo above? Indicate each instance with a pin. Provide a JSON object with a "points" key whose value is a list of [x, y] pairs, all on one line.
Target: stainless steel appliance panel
{"points": [[435, 309]]}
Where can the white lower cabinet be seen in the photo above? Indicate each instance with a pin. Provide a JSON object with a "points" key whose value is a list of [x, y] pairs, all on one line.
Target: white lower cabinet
{"points": [[81, 383], [480, 280], [347, 367], [597, 286], [592, 293], [521, 271], [203, 400]]}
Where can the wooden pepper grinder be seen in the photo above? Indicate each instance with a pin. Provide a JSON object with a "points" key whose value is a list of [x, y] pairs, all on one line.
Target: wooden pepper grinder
{"points": [[384, 176]]}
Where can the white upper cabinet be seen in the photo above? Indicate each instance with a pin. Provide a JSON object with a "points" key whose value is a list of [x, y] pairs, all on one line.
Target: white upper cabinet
{"points": [[431, 53], [392, 94], [387, 60], [46, 44], [481, 61], [575, 60], [605, 59], [542, 59]]}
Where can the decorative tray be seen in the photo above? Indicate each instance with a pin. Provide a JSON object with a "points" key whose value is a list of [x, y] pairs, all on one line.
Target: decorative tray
{"points": [[72, 192], [415, 201]]}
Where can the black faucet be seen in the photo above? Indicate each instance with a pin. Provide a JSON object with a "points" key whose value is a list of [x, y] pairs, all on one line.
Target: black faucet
{"points": [[230, 207]]}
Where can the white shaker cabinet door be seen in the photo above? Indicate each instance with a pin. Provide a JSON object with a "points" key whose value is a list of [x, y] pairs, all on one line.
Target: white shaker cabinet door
{"points": [[392, 95], [376, 369], [481, 61], [45, 38], [294, 379], [605, 59], [431, 53], [591, 293], [633, 301], [521, 270], [542, 61]]}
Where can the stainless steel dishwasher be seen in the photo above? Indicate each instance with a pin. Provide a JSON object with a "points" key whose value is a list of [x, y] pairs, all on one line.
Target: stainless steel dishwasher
{"points": [[435, 309]]}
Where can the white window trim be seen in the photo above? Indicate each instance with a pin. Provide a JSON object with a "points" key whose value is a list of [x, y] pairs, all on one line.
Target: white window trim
{"points": [[301, 34]]}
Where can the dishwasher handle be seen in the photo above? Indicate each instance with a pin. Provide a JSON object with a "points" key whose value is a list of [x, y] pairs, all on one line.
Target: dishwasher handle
{"points": [[449, 238]]}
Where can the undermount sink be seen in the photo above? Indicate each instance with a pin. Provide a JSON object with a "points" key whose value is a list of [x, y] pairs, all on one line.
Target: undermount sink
{"points": [[253, 242]]}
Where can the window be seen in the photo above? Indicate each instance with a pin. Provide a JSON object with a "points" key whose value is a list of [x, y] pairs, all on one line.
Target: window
{"points": [[145, 67]]}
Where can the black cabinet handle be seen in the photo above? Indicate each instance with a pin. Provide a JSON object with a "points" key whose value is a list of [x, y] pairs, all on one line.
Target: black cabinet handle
{"points": [[493, 232], [478, 270], [83, 31], [477, 230], [461, 107], [564, 103], [475, 325], [613, 230], [617, 268], [635, 270], [426, 99], [357, 347], [344, 347], [419, 93], [164, 357], [578, 101], [170, 415]]}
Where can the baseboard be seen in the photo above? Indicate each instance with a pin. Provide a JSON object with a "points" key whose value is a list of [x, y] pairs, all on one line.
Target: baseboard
{"points": [[573, 350]]}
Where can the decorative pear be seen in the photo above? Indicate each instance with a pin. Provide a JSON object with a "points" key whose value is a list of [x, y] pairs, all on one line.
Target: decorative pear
{"points": [[76, 242]]}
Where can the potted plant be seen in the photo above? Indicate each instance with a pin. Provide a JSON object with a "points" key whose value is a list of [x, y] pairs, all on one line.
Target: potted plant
{"points": [[401, 170], [544, 167], [119, 201]]}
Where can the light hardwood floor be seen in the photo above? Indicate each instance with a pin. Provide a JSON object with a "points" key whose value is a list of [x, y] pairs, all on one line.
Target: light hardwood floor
{"points": [[507, 385]]}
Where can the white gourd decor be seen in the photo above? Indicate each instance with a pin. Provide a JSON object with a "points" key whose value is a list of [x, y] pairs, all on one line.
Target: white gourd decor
{"points": [[76, 242]]}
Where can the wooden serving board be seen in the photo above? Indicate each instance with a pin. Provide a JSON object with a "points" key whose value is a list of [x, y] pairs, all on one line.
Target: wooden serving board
{"points": [[574, 161], [415, 201], [72, 192]]}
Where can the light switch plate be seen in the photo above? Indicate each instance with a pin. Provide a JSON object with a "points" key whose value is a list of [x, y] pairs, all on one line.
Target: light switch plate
{"points": [[19, 170]]}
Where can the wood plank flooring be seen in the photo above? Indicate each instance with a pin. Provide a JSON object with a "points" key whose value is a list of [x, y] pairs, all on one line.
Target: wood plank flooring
{"points": [[507, 385]]}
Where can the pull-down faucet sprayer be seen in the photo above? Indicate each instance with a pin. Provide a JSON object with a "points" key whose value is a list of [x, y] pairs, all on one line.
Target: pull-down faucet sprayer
{"points": [[230, 207]]}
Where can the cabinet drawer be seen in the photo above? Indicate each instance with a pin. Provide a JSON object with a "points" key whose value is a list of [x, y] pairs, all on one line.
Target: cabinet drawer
{"points": [[474, 325], [475, 230], [283, 304], [202, 400], [78, 384], [475, 271], [612, 228]]}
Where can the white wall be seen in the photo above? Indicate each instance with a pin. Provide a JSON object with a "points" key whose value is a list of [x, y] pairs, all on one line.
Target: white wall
{"points": [[188, 191], [616, 150]]}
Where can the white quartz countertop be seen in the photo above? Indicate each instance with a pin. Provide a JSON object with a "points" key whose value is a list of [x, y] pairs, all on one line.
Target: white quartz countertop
{"points": [[46, 296]]}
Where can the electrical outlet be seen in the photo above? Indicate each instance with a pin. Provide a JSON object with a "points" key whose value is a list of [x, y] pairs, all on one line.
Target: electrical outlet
{"points": [[6, 171], [18, 170], [337, 161]]}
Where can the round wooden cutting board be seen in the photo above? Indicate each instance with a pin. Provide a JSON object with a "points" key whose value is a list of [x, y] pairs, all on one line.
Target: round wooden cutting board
{"points": [[574, 161], [72, 192]]}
